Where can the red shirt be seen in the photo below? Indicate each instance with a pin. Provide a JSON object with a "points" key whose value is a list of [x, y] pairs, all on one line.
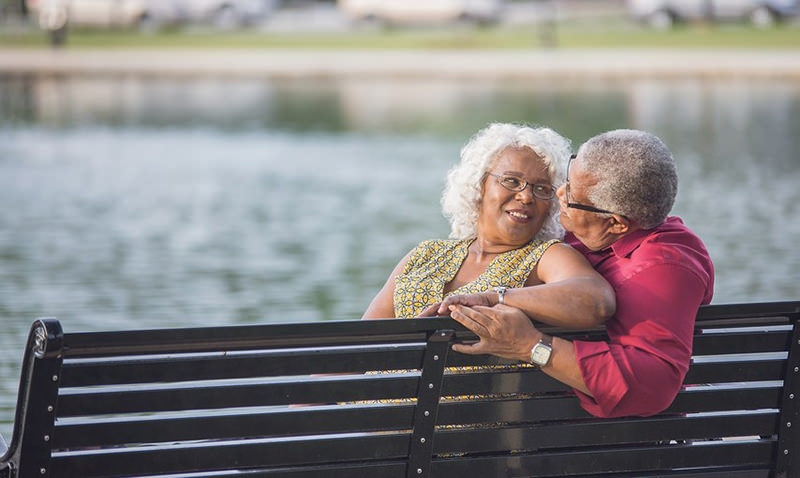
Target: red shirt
{"points": [[660, 276]]}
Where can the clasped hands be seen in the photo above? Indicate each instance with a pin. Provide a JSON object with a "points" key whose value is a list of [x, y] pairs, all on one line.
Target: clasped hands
{"points": [[503, 331]]}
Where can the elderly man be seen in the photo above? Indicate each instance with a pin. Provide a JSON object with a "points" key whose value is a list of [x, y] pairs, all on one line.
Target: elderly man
{"points": [[620, 188]]}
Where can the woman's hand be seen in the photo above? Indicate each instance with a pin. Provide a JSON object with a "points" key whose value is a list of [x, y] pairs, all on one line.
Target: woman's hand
{"points": [[442, 309]]}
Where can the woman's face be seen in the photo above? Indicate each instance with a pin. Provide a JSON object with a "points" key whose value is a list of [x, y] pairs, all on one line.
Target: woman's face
{"points": [[508, 217]]}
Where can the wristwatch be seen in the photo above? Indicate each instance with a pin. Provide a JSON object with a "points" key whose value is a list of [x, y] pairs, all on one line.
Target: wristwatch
{"points": [[501, 293], [541, 352]]}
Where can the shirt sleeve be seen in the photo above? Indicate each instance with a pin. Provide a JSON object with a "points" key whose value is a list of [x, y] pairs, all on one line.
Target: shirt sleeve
{"points": [[640, 371]]}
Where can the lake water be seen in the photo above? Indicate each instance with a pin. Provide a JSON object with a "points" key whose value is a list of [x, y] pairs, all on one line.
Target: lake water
{"points": [[131, 202]]}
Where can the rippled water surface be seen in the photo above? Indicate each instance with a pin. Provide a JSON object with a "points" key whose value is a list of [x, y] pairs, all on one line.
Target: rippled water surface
{"points": [[142, 202]]}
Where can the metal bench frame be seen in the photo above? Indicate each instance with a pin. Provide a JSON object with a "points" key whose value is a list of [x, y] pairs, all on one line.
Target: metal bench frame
{"points": [[300, 400]]}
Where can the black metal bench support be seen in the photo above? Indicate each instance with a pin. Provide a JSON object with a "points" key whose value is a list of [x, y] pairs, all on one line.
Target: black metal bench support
{"points": [[38, 391], [789, 429], [428, 393]]}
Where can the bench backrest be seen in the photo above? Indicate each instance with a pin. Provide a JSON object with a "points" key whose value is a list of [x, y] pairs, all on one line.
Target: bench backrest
{"points": [[302, 400]]}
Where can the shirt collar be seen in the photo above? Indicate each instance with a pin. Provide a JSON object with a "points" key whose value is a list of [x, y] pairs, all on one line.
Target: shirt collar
{"points": [[625, 245]]}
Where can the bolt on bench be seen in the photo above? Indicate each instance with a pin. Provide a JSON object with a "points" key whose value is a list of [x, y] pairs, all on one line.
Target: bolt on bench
{"points": [[293, 400]]}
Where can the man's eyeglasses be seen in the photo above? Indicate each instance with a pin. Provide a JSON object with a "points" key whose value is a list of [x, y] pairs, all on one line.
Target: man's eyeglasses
{"points": [[516, 184], [582, 207]]}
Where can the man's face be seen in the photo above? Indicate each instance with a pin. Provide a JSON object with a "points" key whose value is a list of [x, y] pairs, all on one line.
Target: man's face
{"points": [[591, 228]]}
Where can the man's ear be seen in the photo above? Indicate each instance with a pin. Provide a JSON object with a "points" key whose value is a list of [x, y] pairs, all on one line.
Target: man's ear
{"points": [[620, 225]]}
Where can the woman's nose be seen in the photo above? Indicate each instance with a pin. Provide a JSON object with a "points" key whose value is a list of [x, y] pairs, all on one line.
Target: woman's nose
{"points": [[526, 195]]}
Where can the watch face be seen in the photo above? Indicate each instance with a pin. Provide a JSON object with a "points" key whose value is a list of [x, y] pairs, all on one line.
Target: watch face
{"points": [[540, 354]]}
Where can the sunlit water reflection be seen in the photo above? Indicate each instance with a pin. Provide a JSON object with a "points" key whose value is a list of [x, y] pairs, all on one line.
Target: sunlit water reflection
{"points": [[140, 202]]}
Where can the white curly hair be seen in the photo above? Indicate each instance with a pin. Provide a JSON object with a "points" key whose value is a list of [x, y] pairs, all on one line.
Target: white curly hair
{"points": [[464, 187]]}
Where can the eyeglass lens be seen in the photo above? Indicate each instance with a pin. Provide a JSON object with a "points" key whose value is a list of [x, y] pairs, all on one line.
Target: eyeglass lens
{"points": [[513, 183]]}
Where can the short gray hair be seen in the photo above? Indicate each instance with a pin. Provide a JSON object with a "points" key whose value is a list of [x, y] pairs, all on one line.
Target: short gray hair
{"points": [[464, 187], [636, 175]]}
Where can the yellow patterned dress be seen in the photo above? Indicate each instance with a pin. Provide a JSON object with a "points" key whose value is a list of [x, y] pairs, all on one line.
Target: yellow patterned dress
{"points": [[433, 264]]}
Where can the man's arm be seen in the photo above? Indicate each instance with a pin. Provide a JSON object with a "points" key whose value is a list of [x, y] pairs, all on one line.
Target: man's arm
{"points": [[639, 373], [641, 370], [507, 332]]}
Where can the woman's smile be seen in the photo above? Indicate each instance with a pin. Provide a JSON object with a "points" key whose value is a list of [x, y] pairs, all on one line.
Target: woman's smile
{"points": [[519, 215]]}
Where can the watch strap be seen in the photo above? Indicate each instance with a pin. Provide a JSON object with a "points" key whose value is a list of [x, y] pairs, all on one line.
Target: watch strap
{"points": [[546, 340]]}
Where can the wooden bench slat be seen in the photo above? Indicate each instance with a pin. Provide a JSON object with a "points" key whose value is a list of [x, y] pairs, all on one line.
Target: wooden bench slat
{"points": [[397, 470], [224, 366], [729, 472], [348, 470], [523, 380], [600, 433], [386, 469], [511, 410], [177, 397], [742, 342], [720, 321], [251, 337], [728, 398], [184, 458], [625, 460], [743, 369], [245, 424], [566, 407], [462, 360]]}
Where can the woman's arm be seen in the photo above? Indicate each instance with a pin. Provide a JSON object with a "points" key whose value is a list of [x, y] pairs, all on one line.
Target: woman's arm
{"points": [[564, 290], [571, 293], [382, 306]]}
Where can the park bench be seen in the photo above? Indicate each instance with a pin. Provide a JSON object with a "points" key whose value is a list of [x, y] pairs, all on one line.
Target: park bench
{"points": [[297, 400]]}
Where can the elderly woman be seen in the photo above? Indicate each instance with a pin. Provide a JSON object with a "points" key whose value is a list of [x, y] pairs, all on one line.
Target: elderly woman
{"points": [[505, 237]]}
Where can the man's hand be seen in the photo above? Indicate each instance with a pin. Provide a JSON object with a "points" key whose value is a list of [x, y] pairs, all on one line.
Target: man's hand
{"points": [[504, 331], [441, 309]]}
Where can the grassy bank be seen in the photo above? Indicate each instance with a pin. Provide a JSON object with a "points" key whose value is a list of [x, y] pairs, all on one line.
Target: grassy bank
{"points": [[622, 35]]}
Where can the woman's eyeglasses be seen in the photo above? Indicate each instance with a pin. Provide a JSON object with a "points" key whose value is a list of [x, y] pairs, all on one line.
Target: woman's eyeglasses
{"points": [[516, 184]]}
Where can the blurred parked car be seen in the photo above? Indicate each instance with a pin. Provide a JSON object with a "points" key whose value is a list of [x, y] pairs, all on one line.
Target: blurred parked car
{"points": [[226, 14], [148, 15], [662, 14], [54, 15], [421, 11]]}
